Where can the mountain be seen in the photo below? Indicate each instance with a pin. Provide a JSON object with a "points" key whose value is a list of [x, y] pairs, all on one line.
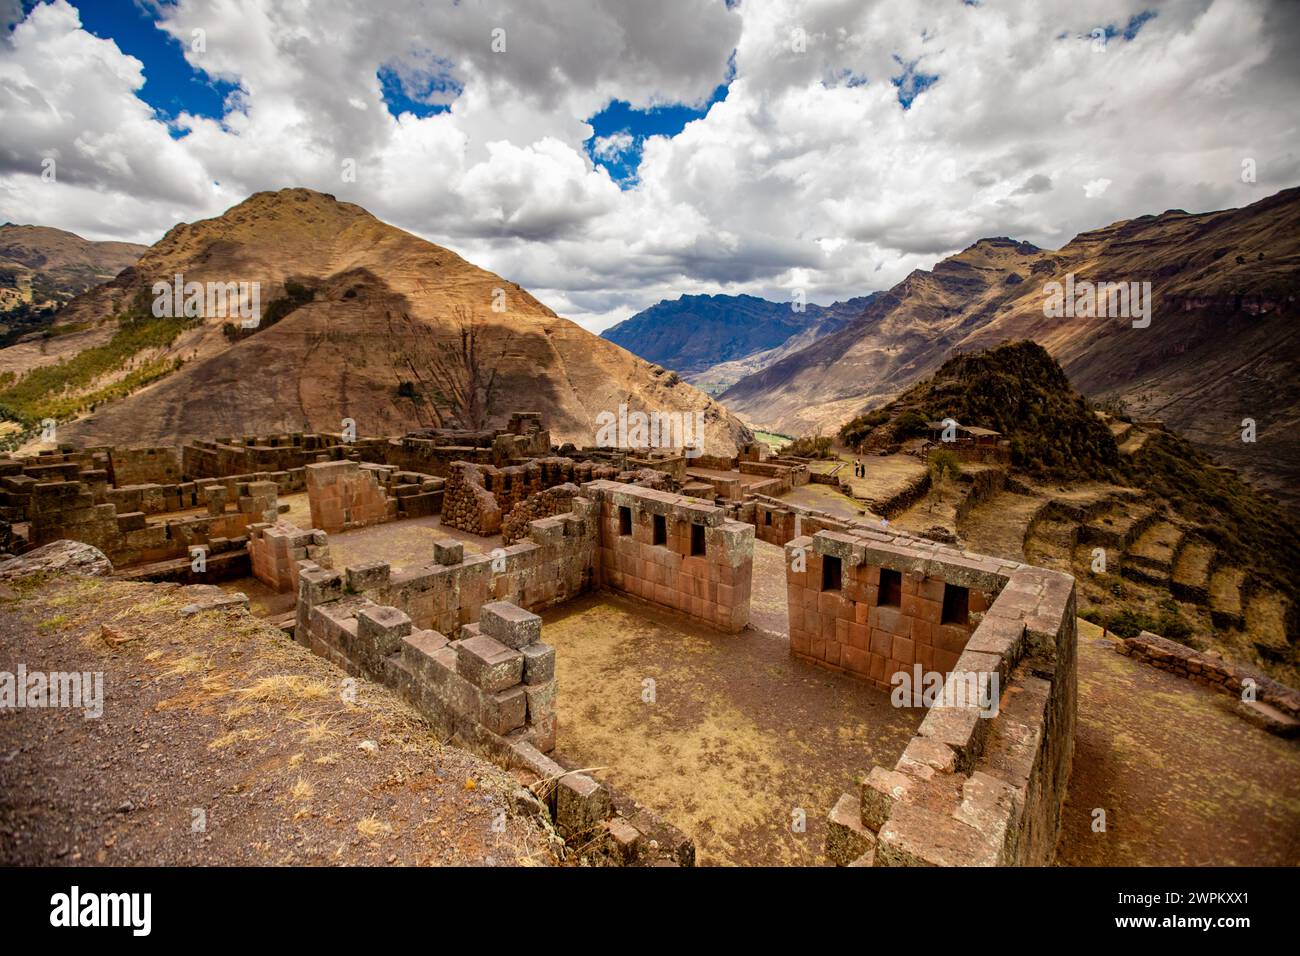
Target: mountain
{"points": [[714, 340], [1195, 554], [42, 268], [358, 320], [1222, 344]]}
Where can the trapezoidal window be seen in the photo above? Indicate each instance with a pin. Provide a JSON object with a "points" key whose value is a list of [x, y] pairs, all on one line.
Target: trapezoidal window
{"points": [[891, 588], [956, 605], [624, 520], [660, 530], [697, 539], [832, 573]]}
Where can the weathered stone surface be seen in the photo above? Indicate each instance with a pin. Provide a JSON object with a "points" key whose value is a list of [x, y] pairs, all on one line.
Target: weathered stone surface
{"points": [[846, 836], [624, 841], [539, 663], [488, 664], [384, 626], [509, 624], [448, 551], [504, 710], [58, 557], [581, 805]]}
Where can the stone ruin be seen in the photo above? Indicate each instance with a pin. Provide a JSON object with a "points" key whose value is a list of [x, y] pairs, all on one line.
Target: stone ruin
{"points": [[459, 637]]}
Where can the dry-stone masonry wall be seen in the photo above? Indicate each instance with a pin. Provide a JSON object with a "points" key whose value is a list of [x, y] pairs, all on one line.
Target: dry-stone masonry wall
{"points": [[983, 780]]}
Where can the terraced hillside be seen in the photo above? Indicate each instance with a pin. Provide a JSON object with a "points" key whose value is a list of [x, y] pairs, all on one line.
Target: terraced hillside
{"points": [[1159, 537]]}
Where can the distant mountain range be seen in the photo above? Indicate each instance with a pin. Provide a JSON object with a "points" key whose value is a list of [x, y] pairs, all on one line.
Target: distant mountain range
{"points": [[1222, 346], [41, 269], [715, 340], [358, 319]]}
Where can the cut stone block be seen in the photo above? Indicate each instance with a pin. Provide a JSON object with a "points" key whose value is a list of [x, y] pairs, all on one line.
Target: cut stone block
{"points": [[504, 710], [846, 837], [624, 841], [448, 551], [488, 664], [581, 804], [509, 624], [539, 663], [385, 626], [541, 701]]}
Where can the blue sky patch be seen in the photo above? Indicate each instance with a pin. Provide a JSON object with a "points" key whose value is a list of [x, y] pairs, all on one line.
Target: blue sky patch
{"points": [[424, 88], [911, 82], [619, 132], [171, 85]]}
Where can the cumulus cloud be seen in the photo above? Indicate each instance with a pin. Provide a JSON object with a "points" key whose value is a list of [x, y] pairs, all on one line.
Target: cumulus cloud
{"points": [[857, 141]]}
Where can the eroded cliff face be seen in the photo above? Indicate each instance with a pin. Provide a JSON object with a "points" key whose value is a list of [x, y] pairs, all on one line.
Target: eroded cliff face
{"points": [[1221, 345]]}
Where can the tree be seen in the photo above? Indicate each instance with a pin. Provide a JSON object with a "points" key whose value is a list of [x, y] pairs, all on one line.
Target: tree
{"points": [[944, 466]]}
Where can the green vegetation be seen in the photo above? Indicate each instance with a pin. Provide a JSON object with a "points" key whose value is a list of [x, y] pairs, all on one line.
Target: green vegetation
{"points": [[774, 440], [944, 466], [1231, 514], [1016, 389], [810, 446], [63, 390]]}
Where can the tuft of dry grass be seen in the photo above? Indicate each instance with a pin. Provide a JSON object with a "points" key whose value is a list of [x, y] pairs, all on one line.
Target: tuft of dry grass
{"points": [[302, 790], [371, 827]]}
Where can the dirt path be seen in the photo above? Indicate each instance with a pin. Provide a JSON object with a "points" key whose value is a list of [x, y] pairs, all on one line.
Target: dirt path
{"points": [[1183, 780], [738, 739], [223, 743]]}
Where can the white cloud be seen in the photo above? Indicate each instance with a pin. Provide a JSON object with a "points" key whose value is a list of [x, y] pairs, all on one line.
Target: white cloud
{"points": [[613, 147], [809, 173]]}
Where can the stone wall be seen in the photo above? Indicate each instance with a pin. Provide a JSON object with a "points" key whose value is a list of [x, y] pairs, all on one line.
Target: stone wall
{"points": [[516, 525], [343, 495], [237, 456], [67, 509], [275, 551], [496, 680], [982, 781], [849, 623], [554, 565], [675, 551], [479, 496], [1211, 670], [144, 466]]}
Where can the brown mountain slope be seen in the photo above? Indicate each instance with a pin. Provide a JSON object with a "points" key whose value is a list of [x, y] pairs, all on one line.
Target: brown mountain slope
{"points": [[1222, 345], [360, 320], [43, 268]]}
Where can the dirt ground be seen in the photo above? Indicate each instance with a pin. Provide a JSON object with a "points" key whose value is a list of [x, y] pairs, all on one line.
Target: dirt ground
{"points": [[223, 743], [739, 741], [1183, 780]]}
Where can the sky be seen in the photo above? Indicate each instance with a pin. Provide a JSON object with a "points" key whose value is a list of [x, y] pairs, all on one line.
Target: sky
{"points": [[608, 154]]}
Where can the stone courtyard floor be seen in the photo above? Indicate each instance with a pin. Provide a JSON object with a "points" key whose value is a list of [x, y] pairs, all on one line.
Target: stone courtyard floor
{"points": [[738, 739]]}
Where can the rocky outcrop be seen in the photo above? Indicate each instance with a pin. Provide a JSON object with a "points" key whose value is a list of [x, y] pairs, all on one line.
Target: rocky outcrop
{"points": [[57, 557]]}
